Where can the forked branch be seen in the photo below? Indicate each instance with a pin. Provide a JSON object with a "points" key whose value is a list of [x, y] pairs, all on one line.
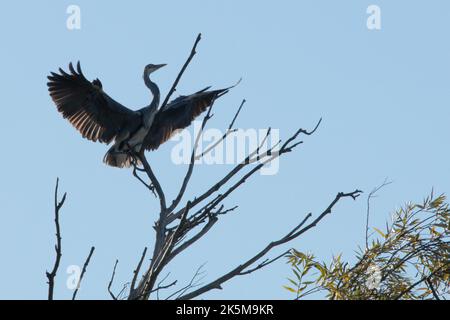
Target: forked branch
{"points": [[58, 204], [58, 251]]}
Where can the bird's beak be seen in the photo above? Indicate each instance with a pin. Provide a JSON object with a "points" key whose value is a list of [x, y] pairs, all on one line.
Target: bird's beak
{"points": [[158, 66]]}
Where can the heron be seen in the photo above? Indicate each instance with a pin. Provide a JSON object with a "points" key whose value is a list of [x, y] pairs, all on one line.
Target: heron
{"points": [[98, 117]]}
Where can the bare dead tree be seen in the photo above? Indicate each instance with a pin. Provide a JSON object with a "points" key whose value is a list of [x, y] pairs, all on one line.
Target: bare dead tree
{"points": [[182, 223], [176, 229]]}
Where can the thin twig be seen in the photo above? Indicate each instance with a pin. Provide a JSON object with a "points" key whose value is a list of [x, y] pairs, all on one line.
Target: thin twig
{"points": [[369, 197], [192, 283], [265, 263], [112, 280], [124, 288], [227, 133], [161, 287], [86, 263]]}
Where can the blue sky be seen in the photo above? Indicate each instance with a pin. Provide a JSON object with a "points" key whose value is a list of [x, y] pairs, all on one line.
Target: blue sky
{"points": [[383, 96]]}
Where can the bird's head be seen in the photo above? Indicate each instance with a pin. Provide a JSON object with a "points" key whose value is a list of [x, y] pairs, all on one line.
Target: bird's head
{"points": [[152, 68]]}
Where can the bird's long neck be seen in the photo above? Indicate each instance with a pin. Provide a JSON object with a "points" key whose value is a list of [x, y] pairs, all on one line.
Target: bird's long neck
{"points": [[150, 111], [154, 90]]}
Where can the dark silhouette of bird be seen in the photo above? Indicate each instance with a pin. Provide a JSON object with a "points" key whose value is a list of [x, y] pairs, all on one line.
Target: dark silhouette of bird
{"points": [[98, 117]]}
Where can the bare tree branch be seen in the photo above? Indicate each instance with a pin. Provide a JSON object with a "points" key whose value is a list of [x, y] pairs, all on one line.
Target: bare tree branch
{"points": [[192, 283], [174, 86], [248, 160], [286, 148], [154, 182], [195, 238], [216, 284], [86, 263], [420, 281], [227, 133], [371, 195], [148, 186], [124, 288], [112, 280], [136, 271], [265, 263], [166, 240], [165, 286], [161, 287], [188, 175], [51, 275]]}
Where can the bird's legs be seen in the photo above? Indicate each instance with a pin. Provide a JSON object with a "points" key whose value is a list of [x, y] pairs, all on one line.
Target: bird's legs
{"points": [[136, 168]]}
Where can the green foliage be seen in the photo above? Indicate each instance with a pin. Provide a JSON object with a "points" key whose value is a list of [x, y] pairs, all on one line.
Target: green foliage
{"points": [[409, 260]]}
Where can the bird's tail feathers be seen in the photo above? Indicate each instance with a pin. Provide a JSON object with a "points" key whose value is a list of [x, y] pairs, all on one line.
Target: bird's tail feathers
{"points": [[119, 159]]}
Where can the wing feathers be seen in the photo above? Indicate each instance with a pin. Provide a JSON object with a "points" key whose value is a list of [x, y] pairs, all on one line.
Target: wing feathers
{"points": [[91, 111], [179, 114], [98, 117]]}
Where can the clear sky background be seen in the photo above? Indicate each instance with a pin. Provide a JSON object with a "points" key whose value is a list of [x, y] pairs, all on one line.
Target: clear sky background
{"points": [[383, 95]]}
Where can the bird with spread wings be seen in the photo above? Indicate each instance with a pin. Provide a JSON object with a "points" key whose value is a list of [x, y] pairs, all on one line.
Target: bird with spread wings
{"points": [[98, 117]]}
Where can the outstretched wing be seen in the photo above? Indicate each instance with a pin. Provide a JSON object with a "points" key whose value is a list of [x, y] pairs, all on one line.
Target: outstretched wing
{"points": [[179, 114], [90, 110]]}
